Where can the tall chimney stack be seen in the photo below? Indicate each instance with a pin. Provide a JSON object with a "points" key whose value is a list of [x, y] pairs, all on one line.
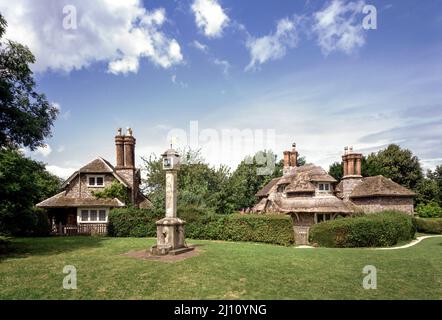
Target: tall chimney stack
{"points": [[351, 162], [129, 150], [290, 160], [119, 144]]}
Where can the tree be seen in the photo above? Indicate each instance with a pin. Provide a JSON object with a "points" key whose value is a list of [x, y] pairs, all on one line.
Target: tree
{"points": [[26, 117], [23, 183], [199, 185], [395, 163], [336, 170]]}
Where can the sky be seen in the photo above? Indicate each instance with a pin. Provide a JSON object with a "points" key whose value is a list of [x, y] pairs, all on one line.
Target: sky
{"points": [[231, 77]]}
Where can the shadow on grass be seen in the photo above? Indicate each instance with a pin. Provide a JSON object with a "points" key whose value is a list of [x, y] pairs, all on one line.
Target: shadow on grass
{"points": [[25, 247]]}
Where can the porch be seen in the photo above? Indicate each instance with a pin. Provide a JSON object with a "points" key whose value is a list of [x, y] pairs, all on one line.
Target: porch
{"points": [[64, 222]]}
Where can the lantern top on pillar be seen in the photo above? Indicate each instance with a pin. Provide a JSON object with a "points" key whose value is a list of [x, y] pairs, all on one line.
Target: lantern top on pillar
{"points": [[171, 160]]}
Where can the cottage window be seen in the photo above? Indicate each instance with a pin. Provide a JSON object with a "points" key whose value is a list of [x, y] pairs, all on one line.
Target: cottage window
{"points": [[93, 215], [102, 215], [84, 215], [95, 181], [324, 187]]}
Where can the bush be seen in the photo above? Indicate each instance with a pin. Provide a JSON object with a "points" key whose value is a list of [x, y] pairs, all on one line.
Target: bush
{"points": [[276, 229], [372, 230], [429, 210], [5, 243], [428, 225], [133, 222]]}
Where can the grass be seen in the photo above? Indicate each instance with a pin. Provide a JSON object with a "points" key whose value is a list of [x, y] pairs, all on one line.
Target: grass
{"points": [[224, 270]]}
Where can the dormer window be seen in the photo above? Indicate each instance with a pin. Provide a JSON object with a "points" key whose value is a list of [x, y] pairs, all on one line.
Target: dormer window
{"points": [[325, 187], [95, 181]]}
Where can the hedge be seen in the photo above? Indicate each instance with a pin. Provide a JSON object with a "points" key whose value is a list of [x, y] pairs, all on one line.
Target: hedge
{"points": [[371, 230], [429, 210], [428, 225], [275, 229]]}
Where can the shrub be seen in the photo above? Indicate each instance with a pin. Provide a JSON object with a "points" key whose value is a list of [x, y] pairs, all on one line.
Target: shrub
{"points": [[5, 243], [276, 229], [133, 222], [428, 225], [429, 210], [372, 230]]}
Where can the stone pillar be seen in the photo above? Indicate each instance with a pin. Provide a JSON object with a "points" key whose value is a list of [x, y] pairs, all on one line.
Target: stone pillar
{"points": [[119, 144], [171, 194], [170, 230]]}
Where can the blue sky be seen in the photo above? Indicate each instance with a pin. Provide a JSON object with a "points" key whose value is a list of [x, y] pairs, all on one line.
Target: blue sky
{"points": [[305, 70]]}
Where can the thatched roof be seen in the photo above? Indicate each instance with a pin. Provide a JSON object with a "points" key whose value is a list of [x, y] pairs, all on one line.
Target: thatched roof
{"points": [[379, 186], [327, 204], [264, 192], [99, 165], [299, 180], [61, 201], [300, 186]]}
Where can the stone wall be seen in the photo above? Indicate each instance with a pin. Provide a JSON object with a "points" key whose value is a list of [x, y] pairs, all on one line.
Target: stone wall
{"points": [[348, 184], [376, 204], [73, 190]]}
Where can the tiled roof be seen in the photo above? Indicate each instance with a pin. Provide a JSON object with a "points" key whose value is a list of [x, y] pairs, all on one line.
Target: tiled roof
{"points": [[61, 201], [98, 165]]}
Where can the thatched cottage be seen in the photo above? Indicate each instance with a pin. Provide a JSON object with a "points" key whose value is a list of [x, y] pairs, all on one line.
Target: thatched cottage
{"points": [[76, 210], [310, 195]]}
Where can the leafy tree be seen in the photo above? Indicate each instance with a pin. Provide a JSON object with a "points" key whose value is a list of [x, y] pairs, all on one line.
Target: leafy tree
{"points": [[26, 116], [336, 170], [23, 183], [199, 185], [395, 163]]}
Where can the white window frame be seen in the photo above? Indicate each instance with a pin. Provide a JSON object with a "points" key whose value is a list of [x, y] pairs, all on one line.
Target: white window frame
{"points": [[324, 184], [95, 180], [80, 220]]}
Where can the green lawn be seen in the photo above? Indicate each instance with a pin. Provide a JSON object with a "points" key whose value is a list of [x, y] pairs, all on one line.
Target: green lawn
{"points": [[223, 270]]}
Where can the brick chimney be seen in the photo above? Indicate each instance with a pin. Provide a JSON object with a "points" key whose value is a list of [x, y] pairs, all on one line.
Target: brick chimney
{"points": [[290, 160], [129, 150], [351, 162], [125, 145], [119, 144]]}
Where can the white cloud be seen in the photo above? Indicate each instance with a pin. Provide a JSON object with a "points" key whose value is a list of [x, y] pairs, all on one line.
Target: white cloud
{"points": [[61, 149], [44, 151], [273, 46], [210, 17], [338, 28], [224, 64], [60, 171], [200, 46], [119, 33]]}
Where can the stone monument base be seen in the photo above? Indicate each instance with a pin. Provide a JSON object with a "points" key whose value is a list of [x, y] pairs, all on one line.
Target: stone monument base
{"points": [[170, 237]]}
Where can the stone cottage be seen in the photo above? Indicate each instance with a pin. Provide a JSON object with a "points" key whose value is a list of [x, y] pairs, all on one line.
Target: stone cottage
{"points": [[76, 210], [310, 195]]}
